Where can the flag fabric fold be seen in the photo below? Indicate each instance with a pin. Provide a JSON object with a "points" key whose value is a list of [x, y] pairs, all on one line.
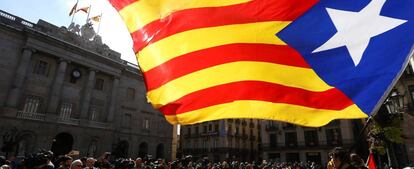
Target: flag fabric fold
{"points": [[84, 9], [216, 59], [371, 162]]}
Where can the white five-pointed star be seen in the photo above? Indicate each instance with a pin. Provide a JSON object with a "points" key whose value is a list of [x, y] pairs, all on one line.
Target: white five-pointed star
{"points": [[355, 29]]}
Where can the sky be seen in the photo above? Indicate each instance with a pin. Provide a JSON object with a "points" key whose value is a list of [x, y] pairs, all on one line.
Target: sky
{"points": [[112, 29]]}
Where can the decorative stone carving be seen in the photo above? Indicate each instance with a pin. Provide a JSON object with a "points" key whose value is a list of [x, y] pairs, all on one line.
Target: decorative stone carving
{"points": [[74, 28], [98, 40], [87, 31]]}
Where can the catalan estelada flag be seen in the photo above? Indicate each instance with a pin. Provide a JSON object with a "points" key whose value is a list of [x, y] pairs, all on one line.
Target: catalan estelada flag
{"points": [[300, 61]]}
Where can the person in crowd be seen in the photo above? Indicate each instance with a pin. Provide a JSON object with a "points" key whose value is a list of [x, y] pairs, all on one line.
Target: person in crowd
{"points": [[138, 163], [77, 164], [357, 161], [65, 162], [5, 167], [341, 158], [90, 163], [83, 160]]}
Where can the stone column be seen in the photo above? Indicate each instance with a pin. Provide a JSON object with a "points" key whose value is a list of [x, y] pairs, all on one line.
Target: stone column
{"points": [[300, 135], [112, 104], [57, 87], [346, 131], [87, 95], [19, 78]]}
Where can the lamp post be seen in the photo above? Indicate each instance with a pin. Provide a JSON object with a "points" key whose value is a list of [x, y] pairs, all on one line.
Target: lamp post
{"points": [[396, 107]]}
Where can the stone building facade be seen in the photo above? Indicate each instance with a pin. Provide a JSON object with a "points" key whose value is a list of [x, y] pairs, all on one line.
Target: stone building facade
{"points": [[230, 139], [284, 142], [404, 153], [62, 92]]}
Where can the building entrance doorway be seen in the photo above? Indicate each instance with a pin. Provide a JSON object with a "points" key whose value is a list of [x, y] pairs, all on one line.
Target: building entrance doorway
{"points": [[314, 157], [62, 144]]}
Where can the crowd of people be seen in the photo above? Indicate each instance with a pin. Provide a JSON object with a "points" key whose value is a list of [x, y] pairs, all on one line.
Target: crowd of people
{"points": [[340, 159]]}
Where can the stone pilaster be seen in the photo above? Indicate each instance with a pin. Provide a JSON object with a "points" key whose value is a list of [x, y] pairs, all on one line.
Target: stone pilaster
{"points": [[57, 87], [19, 78], [87, 95], [114, 95]]}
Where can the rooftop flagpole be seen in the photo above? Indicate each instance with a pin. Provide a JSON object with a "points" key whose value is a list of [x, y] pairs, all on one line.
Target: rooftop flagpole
{"points": [[74, 11], [89, 11], [99, 26]]}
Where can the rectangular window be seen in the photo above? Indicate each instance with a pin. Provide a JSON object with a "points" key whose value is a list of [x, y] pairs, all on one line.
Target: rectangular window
{"points": [[196, 130], [333, 137], [291, 139], [130, 93], [145, 124], [411, 91], [99, 84], [273, 140], [292, 157], [311, 138], [94, 113], [126, 122], [32, 104], [65, 111], [41, 68], [189, 131]]}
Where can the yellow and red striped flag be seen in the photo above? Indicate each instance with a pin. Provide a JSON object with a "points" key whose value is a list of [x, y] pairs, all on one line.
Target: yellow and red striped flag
{"points": [[215, 59], [96, 18], [84, 9]]}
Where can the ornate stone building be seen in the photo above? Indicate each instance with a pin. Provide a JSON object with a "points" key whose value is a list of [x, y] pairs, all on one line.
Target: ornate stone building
{"points": [[231, 139], [63, 92], [284, 142]]}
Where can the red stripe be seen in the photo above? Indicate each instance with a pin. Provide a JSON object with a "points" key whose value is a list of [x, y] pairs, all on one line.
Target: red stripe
{"points": [[332, 99], [253, 11], [205, 58], [120, 4]]}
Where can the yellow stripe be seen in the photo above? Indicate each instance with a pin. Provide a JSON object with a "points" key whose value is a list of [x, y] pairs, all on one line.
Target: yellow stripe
{"points": [[303, 78], [142, 12], [193, 40], [266, 110]]}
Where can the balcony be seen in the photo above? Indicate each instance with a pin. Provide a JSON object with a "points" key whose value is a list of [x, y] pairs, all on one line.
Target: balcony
{"points": [[69, 121], [211, 133], [271, 128], [97, 124], [303, 145], [31, 116]]}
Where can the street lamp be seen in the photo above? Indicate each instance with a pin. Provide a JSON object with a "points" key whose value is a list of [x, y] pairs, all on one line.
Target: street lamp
{"points": [[395, 103]]}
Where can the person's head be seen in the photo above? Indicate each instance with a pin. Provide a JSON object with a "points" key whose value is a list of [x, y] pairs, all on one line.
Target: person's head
{"points": [[90, 162], [66, 160], [339, 156], [356, 160], [138, 162], [77, 164]]}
